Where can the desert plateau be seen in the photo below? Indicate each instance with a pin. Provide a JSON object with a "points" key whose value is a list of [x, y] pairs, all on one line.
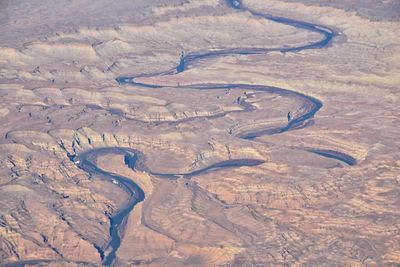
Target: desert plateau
{"points": [[174, 133]]}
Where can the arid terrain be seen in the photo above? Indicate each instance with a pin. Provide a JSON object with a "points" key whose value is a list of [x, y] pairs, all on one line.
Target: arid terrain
{"points": [[199, 133]]}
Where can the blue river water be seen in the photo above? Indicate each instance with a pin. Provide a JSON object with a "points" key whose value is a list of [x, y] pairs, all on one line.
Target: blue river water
{"points": [[132, 157]]}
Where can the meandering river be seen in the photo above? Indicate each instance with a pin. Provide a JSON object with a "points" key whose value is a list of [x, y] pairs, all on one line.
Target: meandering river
{"points": [[87, 160]]}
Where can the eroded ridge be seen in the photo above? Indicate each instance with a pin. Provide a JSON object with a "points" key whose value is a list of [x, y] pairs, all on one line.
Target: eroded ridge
{"points": [[217, 217]]}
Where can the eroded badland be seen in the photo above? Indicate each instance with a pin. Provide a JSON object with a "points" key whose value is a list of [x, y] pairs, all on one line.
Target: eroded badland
{"points": [[227, 179]]}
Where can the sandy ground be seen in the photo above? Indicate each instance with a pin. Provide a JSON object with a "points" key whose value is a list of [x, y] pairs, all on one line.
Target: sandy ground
{"points": [[58, 95]]}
